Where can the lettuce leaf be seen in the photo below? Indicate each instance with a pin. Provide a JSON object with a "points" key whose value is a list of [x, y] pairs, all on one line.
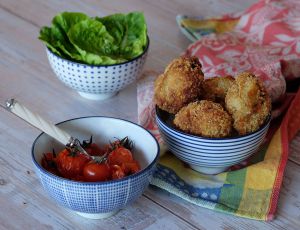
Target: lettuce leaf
{"points": [[130, 32], [93, 42], [66, 20], [98, 41], [56, 37]]}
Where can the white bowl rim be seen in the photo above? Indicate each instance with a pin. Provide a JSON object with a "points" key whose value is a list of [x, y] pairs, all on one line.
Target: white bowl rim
{"points": [[95, 66], [207, 159], [188, 135], [210, 155], [99, 182], [204, 146]]}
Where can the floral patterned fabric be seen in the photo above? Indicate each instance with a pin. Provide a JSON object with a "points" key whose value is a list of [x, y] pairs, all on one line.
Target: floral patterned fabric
{"points": [[265, 41]]}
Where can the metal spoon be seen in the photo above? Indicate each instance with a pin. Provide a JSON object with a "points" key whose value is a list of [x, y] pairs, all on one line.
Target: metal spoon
{"points": [[38, 122]]}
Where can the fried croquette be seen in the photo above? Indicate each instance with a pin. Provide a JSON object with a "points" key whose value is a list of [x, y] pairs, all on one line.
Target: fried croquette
{"points": [[204, 118], [179, 85], [248, 102], [215, 89]]}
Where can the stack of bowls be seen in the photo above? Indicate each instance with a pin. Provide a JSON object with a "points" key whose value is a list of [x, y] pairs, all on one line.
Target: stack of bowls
{"points": [[209, 155]]}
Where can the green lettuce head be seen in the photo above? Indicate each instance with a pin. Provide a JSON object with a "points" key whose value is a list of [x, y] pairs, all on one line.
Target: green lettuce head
{"points": [[98, 41]]}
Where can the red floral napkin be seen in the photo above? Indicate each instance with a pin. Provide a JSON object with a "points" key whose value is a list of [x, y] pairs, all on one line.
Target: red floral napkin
{"points": [[265, 41]]}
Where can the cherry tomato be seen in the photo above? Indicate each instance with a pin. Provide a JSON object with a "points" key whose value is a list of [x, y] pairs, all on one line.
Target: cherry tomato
{"points": [[119, 155], [70, 164], [117, 172], [131, 167], [94, 171], [79, 167], [49, 163], [94, 150], [79, 178]]}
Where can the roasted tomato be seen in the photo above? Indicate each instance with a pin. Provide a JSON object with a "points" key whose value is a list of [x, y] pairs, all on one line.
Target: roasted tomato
{"points": [[92, 148], [131, 167], [49, 163], [77, 166], [70, 164], [117, 172], [94, 171], [119, 156]]}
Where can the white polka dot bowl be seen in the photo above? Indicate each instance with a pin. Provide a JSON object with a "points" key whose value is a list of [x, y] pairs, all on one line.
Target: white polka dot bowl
{"points": [[97, 82], [98, 200], [209, 155]]}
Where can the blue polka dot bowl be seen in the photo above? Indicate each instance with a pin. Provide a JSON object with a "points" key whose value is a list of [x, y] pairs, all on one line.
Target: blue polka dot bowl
{"points": [[98, 200], [209, 155], [97, 82]]}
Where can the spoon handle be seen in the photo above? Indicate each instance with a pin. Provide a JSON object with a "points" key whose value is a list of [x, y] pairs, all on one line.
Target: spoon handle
{"points": [[38, 122]]}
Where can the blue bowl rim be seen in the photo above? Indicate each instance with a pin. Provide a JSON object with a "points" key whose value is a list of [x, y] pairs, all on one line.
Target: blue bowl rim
{"points": [[100, 182], [95, 66], [268, 119]]}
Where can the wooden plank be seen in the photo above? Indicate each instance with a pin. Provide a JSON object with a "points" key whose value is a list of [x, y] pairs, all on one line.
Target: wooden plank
{"points": [[25, 205], [43, 17], [287, 217], [34, 73], [28, 77], [160, 16], [22, 196]]}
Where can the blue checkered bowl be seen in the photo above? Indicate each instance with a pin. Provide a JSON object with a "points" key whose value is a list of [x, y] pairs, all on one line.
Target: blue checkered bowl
{"points": [[97, 82], [208, 155], [98, 199]]}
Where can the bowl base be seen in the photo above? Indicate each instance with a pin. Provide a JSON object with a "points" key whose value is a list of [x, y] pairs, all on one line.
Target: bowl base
{"points": [[97, 216], [208, 170], [101, 96]]}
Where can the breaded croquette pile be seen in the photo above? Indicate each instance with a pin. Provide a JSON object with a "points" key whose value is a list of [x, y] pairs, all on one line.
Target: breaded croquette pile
{"points": [[204, 118], [179, 85], [248, 102], [212, 107]]}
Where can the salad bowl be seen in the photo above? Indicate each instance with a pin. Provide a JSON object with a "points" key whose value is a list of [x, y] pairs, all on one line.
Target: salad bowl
{"points": [[97, 82], [96, 56]]}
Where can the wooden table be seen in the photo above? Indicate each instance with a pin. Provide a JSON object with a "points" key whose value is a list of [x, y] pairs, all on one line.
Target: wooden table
{"points": [[26, 75]]}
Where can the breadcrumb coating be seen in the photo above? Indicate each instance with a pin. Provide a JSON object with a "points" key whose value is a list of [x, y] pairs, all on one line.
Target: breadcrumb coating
{"points": [[204, 118], [248, 102], [215, 89], [179, 85]]}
